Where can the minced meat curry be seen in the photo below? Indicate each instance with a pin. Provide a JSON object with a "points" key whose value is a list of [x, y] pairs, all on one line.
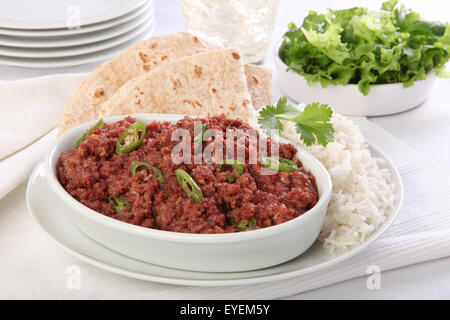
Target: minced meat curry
{"points": [[125, 170]]}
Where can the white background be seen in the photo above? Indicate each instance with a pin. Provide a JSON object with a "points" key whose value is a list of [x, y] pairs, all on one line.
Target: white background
{"points": [[427, 129]]}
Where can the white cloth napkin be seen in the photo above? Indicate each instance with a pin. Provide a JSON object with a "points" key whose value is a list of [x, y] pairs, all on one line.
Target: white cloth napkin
{"points": [[18, 166], [33, 267], [29, 110]]}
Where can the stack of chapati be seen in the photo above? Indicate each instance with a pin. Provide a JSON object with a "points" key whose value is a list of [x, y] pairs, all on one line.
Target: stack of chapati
{"points": [[178, 73]]}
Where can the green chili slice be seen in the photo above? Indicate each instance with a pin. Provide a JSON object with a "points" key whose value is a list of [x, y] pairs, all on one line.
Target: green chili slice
{"points": [[288, 161], [199, 138], [244, 224], [118, 203], [99, 124], [238, 168], [283, 164], [188, 185], [156, 172], [130, 140]]}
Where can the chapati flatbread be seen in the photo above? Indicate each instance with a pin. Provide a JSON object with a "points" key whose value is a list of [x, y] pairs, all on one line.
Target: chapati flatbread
{"points": [[204, 84], [134, 62], [259, 83], [137, 60]]}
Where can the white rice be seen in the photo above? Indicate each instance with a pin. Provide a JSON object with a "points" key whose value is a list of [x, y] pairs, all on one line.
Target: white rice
{"points": [[362, 190]]}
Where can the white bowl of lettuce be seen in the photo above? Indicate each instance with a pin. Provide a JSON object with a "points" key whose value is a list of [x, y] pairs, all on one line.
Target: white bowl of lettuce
{"points": [[361, 62]]}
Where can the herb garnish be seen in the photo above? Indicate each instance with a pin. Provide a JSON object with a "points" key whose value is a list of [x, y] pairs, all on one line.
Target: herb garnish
{"points": [[245, 224], [118, 203], [313, 123]]}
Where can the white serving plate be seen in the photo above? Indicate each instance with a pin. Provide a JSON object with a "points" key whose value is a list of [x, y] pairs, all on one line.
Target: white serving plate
{"points": [[383, 99], [48, 33], [76, 40], [142, 23], [46, 209], [50, 14], [64, 62]]}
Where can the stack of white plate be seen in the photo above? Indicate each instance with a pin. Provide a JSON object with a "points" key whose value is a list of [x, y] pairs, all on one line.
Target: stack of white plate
{"points": [[65, 33]]}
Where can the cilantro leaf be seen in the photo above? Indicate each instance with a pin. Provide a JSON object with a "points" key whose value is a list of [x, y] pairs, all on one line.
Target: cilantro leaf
{"points": [[267, 119], [313, 123], [323, 132], [283, 107]]}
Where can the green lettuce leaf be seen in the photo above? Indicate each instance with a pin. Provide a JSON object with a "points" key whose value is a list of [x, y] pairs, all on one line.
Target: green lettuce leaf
{"points": [[363, 47]]}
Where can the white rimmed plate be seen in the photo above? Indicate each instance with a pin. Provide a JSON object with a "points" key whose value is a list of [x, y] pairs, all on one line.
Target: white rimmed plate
{"points": [[45, 207], [71, 61], [50, 14], [142, 24], [77, 40], [42, 33]]}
